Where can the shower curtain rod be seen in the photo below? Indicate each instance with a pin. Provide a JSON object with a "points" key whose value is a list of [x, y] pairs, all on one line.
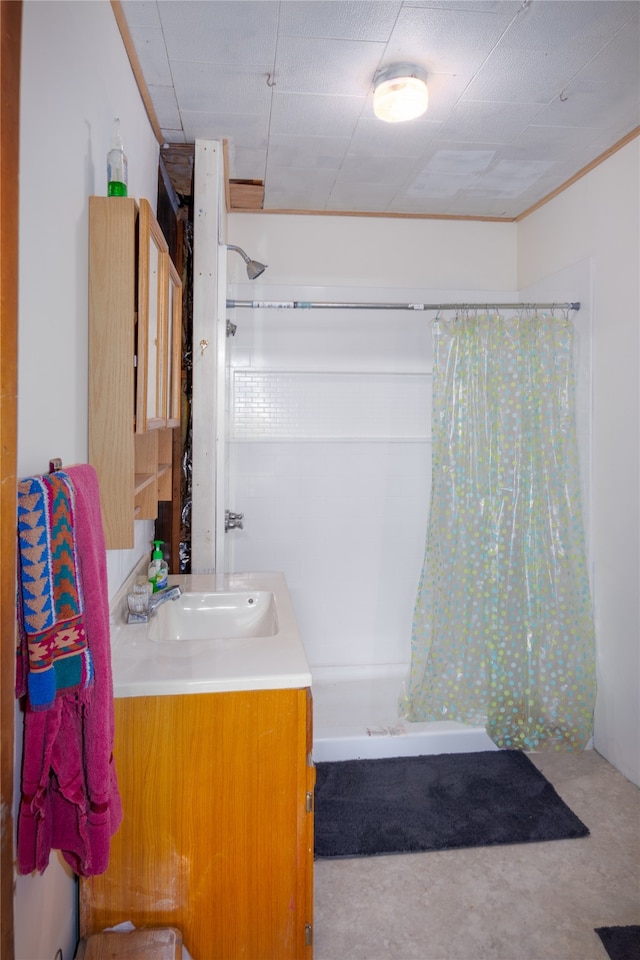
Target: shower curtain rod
{"points": [[326, 305]]}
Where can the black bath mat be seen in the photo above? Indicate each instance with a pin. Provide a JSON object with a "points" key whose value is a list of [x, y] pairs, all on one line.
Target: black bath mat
{"points": [[621, 943], [364, 808]]}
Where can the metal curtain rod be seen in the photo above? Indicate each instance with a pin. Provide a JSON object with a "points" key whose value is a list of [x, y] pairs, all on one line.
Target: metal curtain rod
{"points": [[325, 305]]}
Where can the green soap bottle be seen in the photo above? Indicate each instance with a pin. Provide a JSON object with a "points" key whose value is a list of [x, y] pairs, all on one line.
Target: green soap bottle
{"points": [[117, 168], [158, 568]]}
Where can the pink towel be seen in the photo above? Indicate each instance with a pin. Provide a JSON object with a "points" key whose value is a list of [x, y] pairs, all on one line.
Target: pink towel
{"points": [[70, 798]]}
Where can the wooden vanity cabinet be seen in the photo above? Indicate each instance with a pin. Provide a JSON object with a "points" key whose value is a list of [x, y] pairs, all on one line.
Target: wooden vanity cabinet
{"points": [[134, 353], [217, 834]]}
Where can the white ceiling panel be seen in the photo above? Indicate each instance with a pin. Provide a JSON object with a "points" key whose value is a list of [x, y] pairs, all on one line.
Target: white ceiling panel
{"points": [[166, 107], [459, 160], [522, 95], [307, 152], [240, 33], [447, 40], [242, 129], [249, 163], [362, 197], [152, 54], [315, 115], [445, 90], [344, 20], [508, 179], [518, 76], [338, 67], [214, 88], [374, 139], [375, 170], [555, 142], [488, 120]]}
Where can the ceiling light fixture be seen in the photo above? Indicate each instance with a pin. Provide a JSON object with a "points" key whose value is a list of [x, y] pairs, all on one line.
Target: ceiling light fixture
{"points": [[400, 92]]}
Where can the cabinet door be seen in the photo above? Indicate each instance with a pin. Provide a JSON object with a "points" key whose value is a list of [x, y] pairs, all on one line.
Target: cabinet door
{"points": [[217, 835], [112, 389], [153, 279], [174, 346]]}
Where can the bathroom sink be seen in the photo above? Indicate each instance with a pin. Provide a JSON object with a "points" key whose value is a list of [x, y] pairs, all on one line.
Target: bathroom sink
{"points": [[225, 633], [215, 615]]}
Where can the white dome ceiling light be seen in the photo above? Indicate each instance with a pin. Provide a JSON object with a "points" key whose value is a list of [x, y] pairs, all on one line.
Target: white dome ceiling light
{"points": [[400, 92]]}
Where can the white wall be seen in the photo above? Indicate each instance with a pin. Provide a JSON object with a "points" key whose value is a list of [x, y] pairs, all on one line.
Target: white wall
{"points": [[598, 218], [374, 252], [329, 456], [75, 79]]}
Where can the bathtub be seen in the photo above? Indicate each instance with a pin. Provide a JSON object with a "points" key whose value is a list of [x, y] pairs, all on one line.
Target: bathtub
{"points": [[355, 716]]}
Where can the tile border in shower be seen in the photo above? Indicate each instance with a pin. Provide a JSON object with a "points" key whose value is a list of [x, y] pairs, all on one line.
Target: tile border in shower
{"points": [[296, 405]]}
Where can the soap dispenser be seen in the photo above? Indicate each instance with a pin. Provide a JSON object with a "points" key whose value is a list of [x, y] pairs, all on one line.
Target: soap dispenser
{"points": [[158, 568]]}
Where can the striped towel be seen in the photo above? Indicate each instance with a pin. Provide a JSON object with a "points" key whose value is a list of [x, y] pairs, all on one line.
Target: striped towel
{"points": [[51, 613]]}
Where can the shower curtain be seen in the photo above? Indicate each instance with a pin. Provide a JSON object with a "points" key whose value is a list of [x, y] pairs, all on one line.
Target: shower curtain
{"points": [[502, 631]]}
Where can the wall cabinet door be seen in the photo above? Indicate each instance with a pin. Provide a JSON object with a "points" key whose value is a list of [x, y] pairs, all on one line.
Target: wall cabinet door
{"points": [[153, 284], [173, 346]]}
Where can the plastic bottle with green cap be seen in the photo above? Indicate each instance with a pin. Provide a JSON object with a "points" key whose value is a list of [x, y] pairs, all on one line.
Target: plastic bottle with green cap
{"points": [[158, 568], [117, 171]]}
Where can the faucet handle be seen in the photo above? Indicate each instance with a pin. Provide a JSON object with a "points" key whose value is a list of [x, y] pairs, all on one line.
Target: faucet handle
{"points": [[138, 603]]}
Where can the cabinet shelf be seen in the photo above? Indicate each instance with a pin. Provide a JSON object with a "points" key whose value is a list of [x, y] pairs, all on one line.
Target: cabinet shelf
{"points": [[142, 480]]}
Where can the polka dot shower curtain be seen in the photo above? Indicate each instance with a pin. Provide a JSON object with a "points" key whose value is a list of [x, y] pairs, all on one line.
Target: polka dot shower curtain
{"points": [[503, 631]]}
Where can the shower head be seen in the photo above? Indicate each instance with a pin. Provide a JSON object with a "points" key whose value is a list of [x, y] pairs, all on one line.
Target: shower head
{"points": [[254, 267]]}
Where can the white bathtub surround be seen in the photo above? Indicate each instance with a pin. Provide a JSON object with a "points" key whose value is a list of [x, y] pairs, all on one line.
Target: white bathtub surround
{"points": [[144, 666], [356, 714]]}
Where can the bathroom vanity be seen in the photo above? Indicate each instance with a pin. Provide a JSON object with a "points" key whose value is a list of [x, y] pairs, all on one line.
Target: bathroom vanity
{"points": [[213, 754]]}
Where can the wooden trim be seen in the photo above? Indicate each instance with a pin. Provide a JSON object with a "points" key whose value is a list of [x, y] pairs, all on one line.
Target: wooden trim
{"points": [[581, 173], [379, 216], [10, 44], [116, 6]]}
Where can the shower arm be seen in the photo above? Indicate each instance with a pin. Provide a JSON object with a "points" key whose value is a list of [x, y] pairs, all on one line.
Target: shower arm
{"points": [[245, 257]]}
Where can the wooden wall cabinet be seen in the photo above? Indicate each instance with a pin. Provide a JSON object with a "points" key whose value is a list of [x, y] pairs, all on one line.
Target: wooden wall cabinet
{"points": [[217, 835], [135, 304]]}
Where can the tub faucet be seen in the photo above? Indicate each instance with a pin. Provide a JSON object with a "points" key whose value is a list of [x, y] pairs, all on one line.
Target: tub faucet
{"points": [[232, 521], [155, 600]]}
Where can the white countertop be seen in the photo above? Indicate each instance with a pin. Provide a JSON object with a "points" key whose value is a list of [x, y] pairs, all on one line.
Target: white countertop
{"points": [[144, 668]]}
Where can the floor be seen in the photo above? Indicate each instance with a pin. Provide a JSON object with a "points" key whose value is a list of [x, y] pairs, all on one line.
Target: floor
{"points": [[523, 902]]}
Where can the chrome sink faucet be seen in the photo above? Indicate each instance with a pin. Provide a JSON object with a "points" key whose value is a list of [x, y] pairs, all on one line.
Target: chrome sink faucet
{"points": [[155, 600]]}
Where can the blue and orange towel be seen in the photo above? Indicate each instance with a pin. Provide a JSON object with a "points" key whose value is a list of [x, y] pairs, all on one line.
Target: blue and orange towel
{"points": [[53, 651]]}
